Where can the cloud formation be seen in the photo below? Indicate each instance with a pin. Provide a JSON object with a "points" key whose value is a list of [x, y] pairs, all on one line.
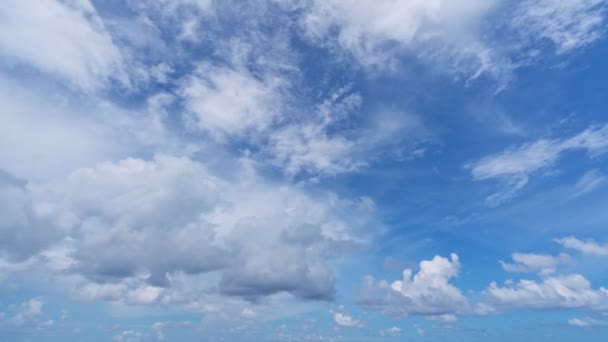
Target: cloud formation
{"points": [[514, 166], [568, 25], [587, 247], [428, 292], [76, 46], [530, 262], [262, 242], [571, 291]]}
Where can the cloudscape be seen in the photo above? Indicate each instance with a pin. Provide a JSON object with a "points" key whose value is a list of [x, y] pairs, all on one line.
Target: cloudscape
{"points": [[303, 170]]}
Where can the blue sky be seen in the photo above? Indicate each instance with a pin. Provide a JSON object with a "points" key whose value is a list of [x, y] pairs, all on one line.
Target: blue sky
{"points": [[303, 170]]}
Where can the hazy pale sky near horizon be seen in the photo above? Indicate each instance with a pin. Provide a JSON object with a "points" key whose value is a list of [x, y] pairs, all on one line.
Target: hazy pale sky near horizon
{"points": [[303, 170]]}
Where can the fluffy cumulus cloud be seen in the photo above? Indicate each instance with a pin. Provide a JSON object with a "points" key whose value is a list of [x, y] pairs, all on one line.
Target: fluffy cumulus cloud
{"points": [[571, 291], [66, 39], [514, 166], [271, 240], [345, 320], [428, 292], [587, 247]]}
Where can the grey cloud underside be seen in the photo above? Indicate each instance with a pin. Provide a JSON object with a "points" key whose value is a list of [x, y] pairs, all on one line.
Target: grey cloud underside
{"points": [[150, 219], [23, 231]]}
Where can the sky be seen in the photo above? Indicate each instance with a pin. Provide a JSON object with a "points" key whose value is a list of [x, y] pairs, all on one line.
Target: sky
{"points": [[303, 170]]}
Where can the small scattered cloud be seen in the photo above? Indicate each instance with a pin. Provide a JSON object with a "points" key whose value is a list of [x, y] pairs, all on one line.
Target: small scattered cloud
{"points": [[587, 322], [587, 247], [248, 313], [529, 262], [345, 320], [589, 182], [392, 332]]}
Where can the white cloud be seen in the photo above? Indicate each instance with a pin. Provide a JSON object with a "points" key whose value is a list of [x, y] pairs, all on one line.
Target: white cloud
{"points": [[322, 146], [129, 336], [346, 320], [65, 39], [530, 262], [571, 291], [57, 132], [309, 146], [569, 25], [427, 293], [588, 247], [232, 101], [158, 328], [514, 166], [589, 182], [587, 322], [253, 239], [144, 295], [27, 313], [444, 318], [378, 33], [39, 125], [392, 331], [248, 313]]}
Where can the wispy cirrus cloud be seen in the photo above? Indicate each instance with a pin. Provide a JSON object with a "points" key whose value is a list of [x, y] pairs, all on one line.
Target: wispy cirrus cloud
{"points": [[378, 34], [514, 166], [568, 25]]}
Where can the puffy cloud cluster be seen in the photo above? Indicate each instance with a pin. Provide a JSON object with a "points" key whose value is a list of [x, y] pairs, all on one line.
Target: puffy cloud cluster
{"points": [[428, 292], [346, 320], [552, 291], [571, 291], [132, 225]]}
